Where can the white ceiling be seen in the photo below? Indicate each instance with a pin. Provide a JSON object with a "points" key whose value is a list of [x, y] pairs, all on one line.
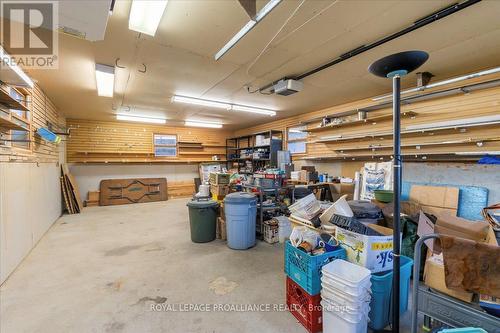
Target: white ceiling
{"points": [[180, 58]]}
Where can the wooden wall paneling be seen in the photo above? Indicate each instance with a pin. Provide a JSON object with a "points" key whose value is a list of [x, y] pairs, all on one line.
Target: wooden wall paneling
{"points": [[122, 142], [475, 104], [41, 109], [180, 189]]}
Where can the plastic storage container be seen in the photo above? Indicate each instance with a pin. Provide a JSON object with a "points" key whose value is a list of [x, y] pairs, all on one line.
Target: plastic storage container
{"points": [[463, 330], [345, 297], [342, 321], [202, 220], [304, 307], [305, 269], [380, 305], [241, 211]]}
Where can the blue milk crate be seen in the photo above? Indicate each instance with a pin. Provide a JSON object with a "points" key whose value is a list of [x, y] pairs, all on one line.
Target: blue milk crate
{"points": [[305, 269], [380, 305]]}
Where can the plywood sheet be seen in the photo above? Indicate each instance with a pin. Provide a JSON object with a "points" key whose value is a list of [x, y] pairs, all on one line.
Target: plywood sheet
{"points": [[127, 191]]}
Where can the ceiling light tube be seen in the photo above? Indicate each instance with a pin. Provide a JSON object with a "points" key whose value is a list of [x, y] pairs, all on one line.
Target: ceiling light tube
{"points": [[105, 79], [7, 60], [203, 102], [266, 9], [140, 119], [222, 105], [236, 38], [253, 110], [247, 27], [145, 15], [456, 123], [194, 123], [444, 82]]}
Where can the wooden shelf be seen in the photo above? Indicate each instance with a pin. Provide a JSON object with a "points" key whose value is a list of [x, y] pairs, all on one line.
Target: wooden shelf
{"points": [[419, 143], [11, 102], [199, 153], [10, 125], [372, 120], [111, 152], [213, 145], [141, 160]]}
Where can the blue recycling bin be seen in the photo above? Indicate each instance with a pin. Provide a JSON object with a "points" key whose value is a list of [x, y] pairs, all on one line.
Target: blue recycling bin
{"points": [[241, 212]]}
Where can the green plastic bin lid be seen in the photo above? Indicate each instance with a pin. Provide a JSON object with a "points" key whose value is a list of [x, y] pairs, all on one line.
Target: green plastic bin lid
{"points": [[195, 203], [240, 197]]}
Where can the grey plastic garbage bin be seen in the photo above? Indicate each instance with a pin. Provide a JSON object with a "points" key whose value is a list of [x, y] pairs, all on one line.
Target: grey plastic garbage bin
{"points": [[241, 211], [202, 220]]}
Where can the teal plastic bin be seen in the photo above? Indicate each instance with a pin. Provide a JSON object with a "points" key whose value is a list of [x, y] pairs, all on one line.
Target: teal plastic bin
{"points": [[380, 305], [463, 330], [305, 269]]}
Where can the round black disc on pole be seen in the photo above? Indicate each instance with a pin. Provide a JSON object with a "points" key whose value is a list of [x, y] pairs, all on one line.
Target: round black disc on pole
{"points": [[394, 66], [400, 63]]}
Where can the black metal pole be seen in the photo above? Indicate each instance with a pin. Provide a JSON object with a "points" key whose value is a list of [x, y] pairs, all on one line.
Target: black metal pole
{"points": [[396, 85]]}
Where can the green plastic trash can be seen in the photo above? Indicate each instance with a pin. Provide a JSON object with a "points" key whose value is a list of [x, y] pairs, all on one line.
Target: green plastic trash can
{"points": [[202, 220]]}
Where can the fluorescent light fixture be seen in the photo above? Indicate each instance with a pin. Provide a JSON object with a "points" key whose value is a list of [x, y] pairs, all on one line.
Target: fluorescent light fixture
{"points": [[222, 105], [194, 123], [490, 152], [266, 9], [6, 60], [253, 110], [247, 27], [105, 78], [236, 38], [203, 102], [457, 123], [140, 119], [444, 82], [145, 15]]}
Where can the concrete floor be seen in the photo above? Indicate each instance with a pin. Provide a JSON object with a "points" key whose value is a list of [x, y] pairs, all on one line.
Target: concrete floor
{"points": [[132, 268]]}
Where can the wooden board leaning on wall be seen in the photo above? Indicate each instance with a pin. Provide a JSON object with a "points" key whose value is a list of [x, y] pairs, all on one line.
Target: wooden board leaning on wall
{"points": [[443, 144], [122, 142]]}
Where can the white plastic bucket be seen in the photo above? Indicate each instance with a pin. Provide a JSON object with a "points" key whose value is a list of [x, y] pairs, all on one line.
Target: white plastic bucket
{"points": [[351, 274], [343, 298], [355, 291], [345, 322], [204, 191], [339, 207]]}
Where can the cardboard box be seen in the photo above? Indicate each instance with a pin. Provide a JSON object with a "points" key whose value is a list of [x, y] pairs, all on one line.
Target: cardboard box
{"points": [[436, 199], [219, 178], [479, 231], [458, 227], [219, 190], [303, 176], [220, 230], [434, 272], [434, 278], [373, 252], [338, 190], [295, 175]]}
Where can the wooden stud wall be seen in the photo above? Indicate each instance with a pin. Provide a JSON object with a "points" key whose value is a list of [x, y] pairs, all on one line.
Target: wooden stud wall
{"points": [[479, 103], [123, 142], [41, 109]]}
